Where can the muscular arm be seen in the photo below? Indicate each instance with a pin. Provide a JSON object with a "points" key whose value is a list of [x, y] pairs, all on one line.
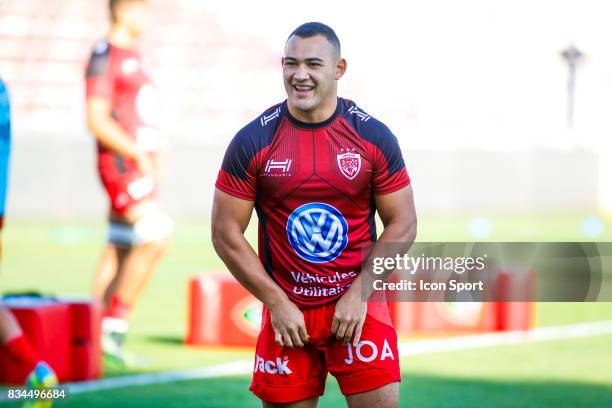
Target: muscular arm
{"points": [[230, 218], [398, 215], [110, 134]]}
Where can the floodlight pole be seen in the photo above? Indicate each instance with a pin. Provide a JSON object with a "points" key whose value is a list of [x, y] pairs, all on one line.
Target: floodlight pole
{"points": [[571, 55]]}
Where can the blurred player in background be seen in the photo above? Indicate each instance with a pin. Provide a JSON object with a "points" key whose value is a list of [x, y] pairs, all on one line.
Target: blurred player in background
{"points": [[316, 168], [13, 343], [121, 115]]}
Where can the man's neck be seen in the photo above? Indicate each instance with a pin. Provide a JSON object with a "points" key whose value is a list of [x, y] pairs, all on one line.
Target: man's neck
{"points": [[322, 113], [121, 37]]}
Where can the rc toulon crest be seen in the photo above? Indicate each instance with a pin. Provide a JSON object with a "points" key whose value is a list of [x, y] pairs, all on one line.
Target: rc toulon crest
{"points": [[350, 164]]}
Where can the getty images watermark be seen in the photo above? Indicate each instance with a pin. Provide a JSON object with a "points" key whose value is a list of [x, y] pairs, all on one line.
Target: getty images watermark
{"points": [[422, 263], [499, 271]]}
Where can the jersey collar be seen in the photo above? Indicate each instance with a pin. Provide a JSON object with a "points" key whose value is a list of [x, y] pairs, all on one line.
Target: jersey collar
{"points": [[308, 125]]}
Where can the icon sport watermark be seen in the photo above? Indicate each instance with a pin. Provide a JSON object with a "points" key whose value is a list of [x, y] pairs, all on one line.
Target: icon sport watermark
{"points": [[488, 272]]}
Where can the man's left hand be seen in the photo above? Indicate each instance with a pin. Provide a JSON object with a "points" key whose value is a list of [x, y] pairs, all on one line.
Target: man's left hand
{"points": [[349, 317]]}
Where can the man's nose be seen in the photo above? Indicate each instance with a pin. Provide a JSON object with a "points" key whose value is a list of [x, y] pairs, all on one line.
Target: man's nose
{"points": [[301, 73]]}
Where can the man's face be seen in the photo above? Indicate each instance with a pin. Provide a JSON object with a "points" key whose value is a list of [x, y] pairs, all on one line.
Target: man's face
{"points": [[310, 70], [134, 15]]}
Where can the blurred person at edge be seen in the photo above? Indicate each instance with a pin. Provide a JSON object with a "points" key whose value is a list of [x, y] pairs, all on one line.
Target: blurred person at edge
{"points": [[122, 115], [13, 343]]}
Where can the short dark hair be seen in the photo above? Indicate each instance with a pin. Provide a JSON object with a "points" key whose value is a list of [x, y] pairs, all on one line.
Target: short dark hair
{"points": [[311, 29], [112, 6]]}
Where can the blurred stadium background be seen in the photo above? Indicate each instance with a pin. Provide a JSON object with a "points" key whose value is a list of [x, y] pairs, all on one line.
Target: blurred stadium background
{"points": [[475, 90]]}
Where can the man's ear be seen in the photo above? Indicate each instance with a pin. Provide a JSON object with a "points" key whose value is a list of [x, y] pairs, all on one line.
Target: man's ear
{"points": [[340, 68]]}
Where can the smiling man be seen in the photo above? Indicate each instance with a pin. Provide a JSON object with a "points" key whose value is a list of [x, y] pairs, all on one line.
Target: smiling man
{"points": [[316, 168]]}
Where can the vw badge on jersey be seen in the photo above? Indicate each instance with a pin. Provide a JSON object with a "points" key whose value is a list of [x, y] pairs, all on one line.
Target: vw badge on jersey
{"points": [[350, 164], [317, 232]]}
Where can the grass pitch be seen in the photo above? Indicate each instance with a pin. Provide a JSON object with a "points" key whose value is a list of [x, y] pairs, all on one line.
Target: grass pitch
{"points": [[59, 258]]}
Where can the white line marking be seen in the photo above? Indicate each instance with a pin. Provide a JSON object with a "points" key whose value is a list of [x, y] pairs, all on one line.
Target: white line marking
{"points": [[409, 348], [216, 371], [504, 338]]}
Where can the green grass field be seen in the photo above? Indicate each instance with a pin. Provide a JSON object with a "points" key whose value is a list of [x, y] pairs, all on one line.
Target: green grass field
{"points": [[59, 258]]}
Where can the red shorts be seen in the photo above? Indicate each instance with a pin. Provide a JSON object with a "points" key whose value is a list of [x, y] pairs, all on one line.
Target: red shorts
{"points": [[283, 375], [126, 189]]}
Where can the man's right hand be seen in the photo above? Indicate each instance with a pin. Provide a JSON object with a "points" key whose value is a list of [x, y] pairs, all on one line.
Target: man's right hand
{"points": [[229, 220], [288, 323], [144, 164]]}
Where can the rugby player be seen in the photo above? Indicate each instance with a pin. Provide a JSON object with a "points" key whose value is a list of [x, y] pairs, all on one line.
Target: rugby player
{"points": [[13, 343], [316, 168], [121, 115]]}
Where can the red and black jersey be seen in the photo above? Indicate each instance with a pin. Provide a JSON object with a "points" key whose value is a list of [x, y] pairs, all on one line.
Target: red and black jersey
{"points": [[116, 74], [313, 187]]}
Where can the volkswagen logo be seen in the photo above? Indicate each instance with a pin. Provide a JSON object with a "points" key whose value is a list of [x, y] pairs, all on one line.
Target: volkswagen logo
{"points": [[317, 232]]}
